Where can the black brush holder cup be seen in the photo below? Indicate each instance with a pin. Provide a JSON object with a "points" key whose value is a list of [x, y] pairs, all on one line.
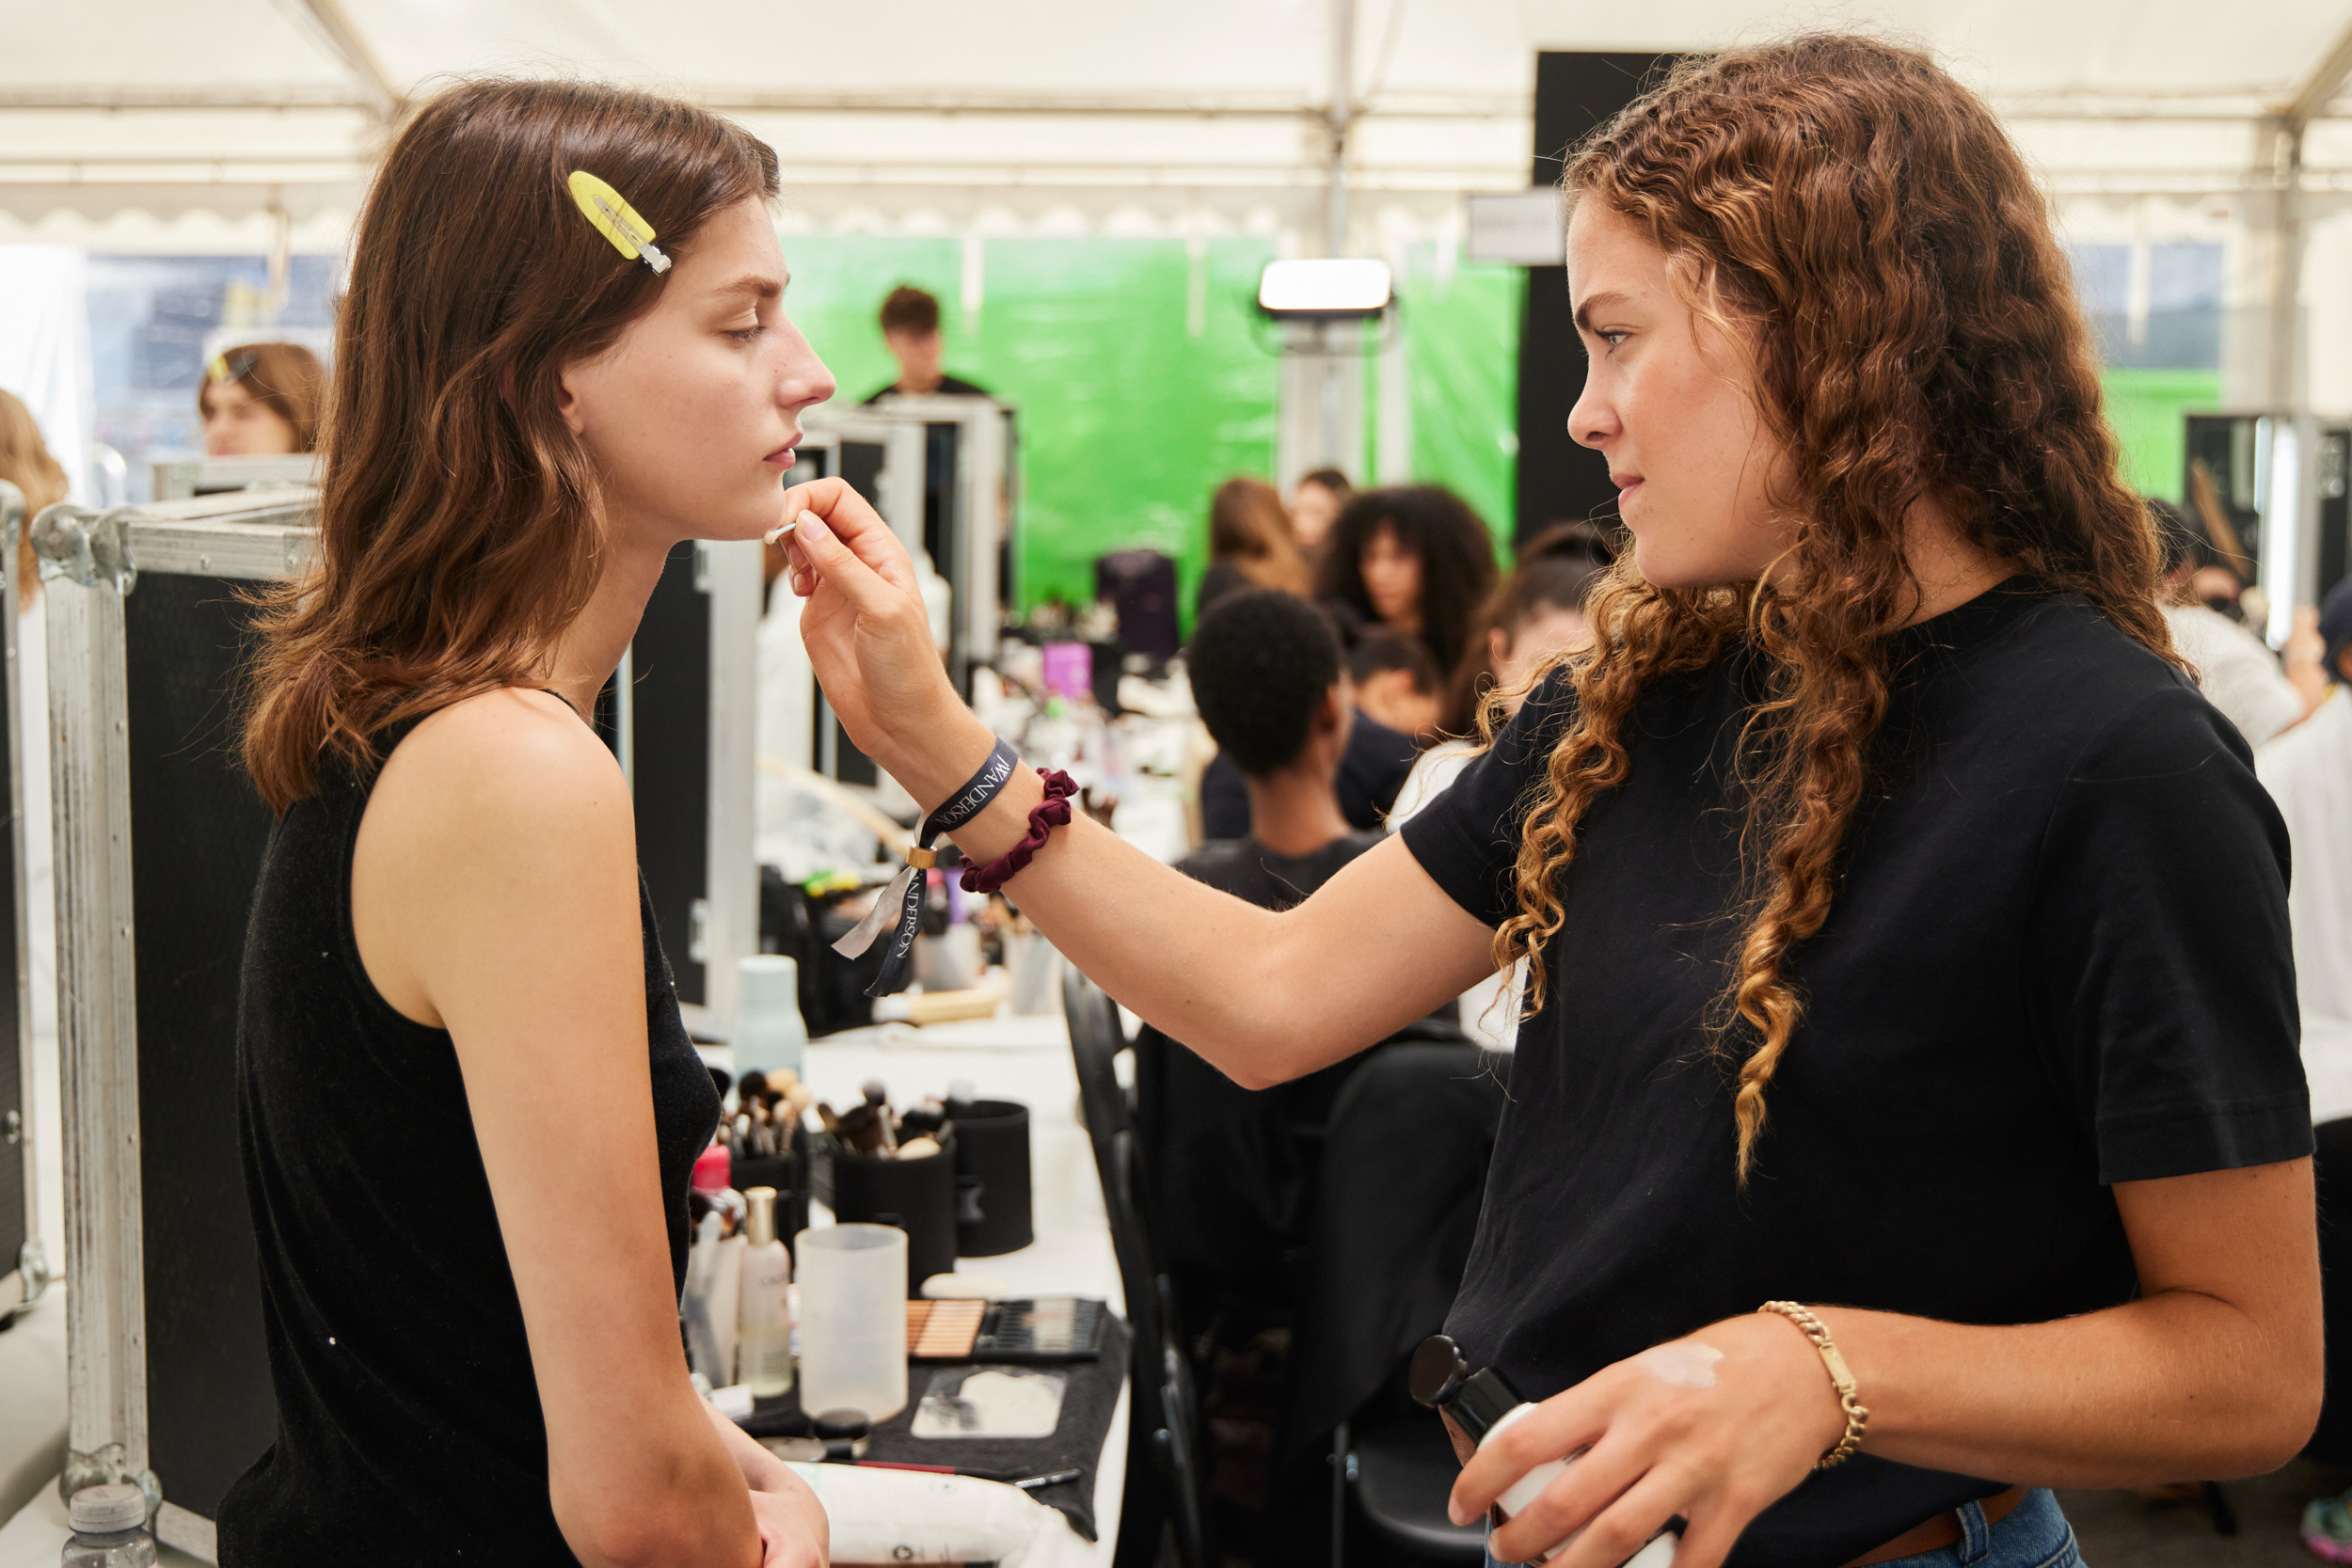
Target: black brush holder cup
{"points": [[992, 1213], [917, 1195]]}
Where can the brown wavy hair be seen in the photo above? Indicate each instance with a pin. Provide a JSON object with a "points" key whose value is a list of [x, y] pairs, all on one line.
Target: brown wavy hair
{"points": [[460, 523], [1857, 224], [25, 463], [1250, 527]]}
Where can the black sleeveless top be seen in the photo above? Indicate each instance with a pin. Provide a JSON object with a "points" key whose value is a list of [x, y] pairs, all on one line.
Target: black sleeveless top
{"points": [[408, 1422]]}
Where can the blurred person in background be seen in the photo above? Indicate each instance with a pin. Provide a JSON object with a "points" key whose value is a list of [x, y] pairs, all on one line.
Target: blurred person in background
{"points": [[262, 400], [1536, 614], [2234, 668], [1250, 544], [1535, 619], [2309, 773], [1395, 685], [909, 324], [1413, 560], [1315, 506], [25, 463]]}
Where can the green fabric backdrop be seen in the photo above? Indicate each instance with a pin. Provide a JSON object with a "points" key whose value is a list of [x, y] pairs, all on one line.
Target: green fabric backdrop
{"points": [[1145, 379]]}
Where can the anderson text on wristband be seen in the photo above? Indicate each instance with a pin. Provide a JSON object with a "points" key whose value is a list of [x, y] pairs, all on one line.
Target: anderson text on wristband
{"points": [[903, 897], [1857, 1415]]}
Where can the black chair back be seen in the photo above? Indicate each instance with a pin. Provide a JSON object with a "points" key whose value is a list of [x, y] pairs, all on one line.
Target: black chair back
{"points": [[1166, 1421]]}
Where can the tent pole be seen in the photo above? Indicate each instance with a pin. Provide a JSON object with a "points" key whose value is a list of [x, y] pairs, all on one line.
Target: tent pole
{"points": [[2310, 96], [1337, 364]]}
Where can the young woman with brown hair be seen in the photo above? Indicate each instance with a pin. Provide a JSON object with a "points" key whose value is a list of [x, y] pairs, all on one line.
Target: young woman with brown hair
{"points": [[1249, 543], [469, 1109], [1906, 937], [262, 400]]}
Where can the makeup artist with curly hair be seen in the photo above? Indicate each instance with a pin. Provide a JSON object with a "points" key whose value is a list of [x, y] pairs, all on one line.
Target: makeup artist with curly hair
{"points": [[1907, 937]]}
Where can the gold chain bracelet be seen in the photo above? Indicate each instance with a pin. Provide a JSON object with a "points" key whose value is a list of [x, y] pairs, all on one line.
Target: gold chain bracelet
{"points": [[1857, 1415]]}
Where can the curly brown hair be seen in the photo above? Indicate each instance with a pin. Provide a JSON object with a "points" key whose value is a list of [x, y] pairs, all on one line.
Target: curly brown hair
{"points": [[1859, 225]]}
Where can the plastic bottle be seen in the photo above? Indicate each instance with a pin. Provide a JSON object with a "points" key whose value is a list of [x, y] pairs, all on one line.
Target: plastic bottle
{"points": [[1481, 1404], [109, 1528], [769, 1033], [765, 1320]]}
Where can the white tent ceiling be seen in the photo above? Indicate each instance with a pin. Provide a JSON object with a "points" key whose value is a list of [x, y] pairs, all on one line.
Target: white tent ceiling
{"points": [[146, 122]]}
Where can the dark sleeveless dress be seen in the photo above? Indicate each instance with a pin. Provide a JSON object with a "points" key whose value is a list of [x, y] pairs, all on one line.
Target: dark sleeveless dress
{"points": [[409, 1423]]}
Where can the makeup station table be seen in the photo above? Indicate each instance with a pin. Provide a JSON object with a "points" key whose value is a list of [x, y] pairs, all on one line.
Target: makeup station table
{"points": [[1026, 1059], [1006, 1058]]}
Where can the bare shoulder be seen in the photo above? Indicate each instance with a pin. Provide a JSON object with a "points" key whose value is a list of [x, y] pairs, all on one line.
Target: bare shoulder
{"points": [[506, 764]]}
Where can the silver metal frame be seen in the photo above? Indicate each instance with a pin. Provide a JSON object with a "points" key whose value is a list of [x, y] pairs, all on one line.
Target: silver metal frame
{"points": [[985, 508], [182, 478], [90, 560], [24, 1282]]}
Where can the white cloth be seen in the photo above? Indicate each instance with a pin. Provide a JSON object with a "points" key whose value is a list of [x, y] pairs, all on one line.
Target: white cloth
{"points": [[2307, 771], [2236, 672], [45, 351], [1490, 1009]]}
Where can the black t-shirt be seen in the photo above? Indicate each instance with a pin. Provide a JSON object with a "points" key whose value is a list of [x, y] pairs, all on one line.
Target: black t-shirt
{"points": [[949, 387], [2057, 960], [1373, 770]]}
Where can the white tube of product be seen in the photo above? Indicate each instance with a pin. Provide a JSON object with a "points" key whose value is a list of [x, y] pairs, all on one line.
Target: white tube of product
{"points": [[764, 1326], [902, 1516], [1483, 1407]]}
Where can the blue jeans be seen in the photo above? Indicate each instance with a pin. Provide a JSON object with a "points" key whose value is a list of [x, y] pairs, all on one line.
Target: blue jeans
{"points": [[2034, 1534]]}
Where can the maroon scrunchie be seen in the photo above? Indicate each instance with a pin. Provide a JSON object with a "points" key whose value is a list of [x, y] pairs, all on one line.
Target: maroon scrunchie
{"points": [[1051, 813]]}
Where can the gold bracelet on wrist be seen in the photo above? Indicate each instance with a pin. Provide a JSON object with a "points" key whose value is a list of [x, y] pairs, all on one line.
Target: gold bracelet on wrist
{"points": [[1857, 1415]]}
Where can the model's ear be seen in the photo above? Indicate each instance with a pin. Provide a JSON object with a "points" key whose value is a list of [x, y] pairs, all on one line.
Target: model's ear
{"points": [[566, 398]]}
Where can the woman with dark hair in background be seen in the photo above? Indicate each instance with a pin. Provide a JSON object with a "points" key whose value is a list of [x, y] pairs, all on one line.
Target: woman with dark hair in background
{"points": [[1249, 544], [1417, 561], [469, 1108], [1856, 1185], [262, 400], [1315, 504]]}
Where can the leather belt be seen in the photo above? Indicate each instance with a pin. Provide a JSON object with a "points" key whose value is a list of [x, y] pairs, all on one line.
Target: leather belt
{"points": [[1941, 1531]]}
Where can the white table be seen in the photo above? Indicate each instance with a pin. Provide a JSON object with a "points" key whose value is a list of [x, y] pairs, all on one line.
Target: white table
{"points": [[1025, 1059]]}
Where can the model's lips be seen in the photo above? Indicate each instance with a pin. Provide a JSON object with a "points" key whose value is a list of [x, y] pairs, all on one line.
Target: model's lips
{"points": [[783, 457], [1625, 482]]}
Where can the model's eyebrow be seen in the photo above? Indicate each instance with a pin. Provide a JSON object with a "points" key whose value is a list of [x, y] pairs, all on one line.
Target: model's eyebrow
{"points": [[1592, 304], [759, 285]]}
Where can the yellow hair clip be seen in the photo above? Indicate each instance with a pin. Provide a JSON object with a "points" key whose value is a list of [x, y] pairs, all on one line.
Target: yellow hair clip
{"points": [[616, 220]]}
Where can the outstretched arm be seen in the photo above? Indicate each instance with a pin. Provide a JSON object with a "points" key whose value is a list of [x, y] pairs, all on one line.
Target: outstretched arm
{"points": [[1264, 996]]}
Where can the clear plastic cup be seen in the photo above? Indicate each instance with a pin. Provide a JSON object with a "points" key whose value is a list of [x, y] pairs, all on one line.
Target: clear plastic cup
{"points": [[854, 1319]]}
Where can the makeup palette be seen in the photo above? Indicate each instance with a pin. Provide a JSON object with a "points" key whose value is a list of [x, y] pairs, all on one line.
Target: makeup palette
{"points": [[1046, 1328]]}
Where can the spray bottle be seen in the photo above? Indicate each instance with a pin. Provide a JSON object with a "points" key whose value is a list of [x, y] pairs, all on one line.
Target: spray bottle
{"points": [[1481, 1404]]}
